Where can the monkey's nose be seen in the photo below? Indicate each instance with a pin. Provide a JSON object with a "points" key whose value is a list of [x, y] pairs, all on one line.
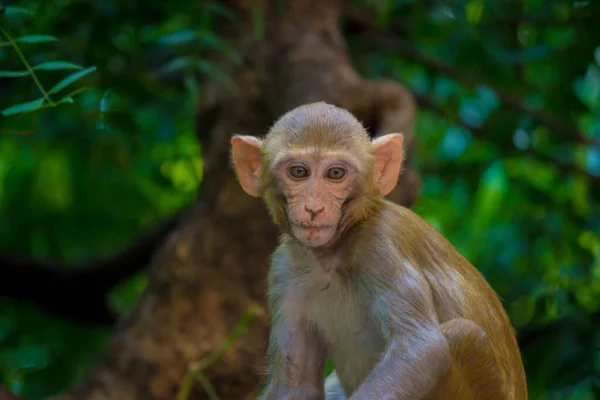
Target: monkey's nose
{"points": [[314, 213]]}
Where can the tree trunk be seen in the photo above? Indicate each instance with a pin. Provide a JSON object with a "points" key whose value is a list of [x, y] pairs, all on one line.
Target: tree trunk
{"points": [[215, 263]]}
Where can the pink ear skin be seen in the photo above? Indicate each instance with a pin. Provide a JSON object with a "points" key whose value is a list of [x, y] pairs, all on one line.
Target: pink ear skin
{"points": [[387, 151], [245, 151]]}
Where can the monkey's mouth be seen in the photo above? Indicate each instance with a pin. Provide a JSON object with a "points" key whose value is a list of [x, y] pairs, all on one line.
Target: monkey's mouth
{"points": [[312, 228]]}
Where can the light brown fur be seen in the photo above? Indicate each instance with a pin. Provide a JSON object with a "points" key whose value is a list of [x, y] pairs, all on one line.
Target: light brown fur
{"points": [[402, 314]]}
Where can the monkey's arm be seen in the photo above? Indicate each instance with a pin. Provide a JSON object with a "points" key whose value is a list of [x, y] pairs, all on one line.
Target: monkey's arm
{"points": [[296, 363], [296, 354], [417, 354]]}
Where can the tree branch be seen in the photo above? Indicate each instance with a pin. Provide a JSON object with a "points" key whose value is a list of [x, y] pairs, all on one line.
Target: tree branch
{"points": [[376, 38], [79, 291], [478, 132]]}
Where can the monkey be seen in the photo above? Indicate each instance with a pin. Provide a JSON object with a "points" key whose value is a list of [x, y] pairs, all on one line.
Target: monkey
{"points": [[364, 281]]}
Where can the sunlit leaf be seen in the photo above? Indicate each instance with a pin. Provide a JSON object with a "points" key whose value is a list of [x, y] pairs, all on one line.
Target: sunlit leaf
{"points": [[13, 74], [473, 112], [588, 87], [488, 96], [522, 310], [474, 11], [67, 99], [579, 196], [593, 161], [108, 100], [443, 88], [418, 80], [535, 172], [23, 107], [455, 142], [176, 64], [488, 199], [13, 11], [53, 181], [57, 65], [70, 79], [179, 37], [36, 39]]}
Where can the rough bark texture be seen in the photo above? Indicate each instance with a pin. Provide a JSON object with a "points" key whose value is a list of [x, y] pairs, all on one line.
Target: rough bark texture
{"points": [[215, 263]]}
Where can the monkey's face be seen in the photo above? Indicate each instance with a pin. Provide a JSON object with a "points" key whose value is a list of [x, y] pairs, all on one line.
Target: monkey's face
{"points": [[318, 171], [315, 185]]}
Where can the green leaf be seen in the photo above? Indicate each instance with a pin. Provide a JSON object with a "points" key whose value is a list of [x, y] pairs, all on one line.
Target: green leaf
{"points": [[56, 65], [23, 107], [176, 64], [70, 79], [522, 310], [66, 100], [53, 182], [178, 37], [36, 39], [13, 74], [28, 356], [474, 11], [11, 10]]}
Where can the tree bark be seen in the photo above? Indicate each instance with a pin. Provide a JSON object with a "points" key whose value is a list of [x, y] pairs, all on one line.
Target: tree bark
{"points": [[214, 264]]}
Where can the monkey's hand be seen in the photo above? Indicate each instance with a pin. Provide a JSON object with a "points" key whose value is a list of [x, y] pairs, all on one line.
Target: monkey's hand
{"points": [[293, 394], [417, 355], [296, 362]]}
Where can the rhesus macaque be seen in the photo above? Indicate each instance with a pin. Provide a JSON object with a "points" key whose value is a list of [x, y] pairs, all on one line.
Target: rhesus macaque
{"points": [[401, 313]]}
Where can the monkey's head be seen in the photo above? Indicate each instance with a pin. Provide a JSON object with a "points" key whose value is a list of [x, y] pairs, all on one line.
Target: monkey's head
{"points": [[318, 171]]}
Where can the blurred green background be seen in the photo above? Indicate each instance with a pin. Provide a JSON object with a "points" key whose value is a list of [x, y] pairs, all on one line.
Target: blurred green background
{"points": [[508, 129]]}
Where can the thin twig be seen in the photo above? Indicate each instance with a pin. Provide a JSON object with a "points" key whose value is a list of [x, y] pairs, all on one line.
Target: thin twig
{"points": [[195, 370], [208, 387], [13, 43]]}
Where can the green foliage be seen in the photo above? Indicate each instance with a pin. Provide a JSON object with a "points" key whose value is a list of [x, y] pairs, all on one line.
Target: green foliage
{"points": [[517, 196], [33, 105]]}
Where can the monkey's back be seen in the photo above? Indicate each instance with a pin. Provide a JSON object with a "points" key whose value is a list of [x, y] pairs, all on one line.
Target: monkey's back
{"points": [[457, 287]]}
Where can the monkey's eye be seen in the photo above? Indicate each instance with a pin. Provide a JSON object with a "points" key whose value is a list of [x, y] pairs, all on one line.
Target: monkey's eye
{"points": [[336, 173], [298, 172]]}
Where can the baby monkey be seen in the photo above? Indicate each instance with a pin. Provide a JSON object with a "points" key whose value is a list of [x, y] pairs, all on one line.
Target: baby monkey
{"points": [[400, 312]]}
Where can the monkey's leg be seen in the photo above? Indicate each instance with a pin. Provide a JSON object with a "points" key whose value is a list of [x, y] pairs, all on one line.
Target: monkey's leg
{"points": [[333, 388], [474, 373]]}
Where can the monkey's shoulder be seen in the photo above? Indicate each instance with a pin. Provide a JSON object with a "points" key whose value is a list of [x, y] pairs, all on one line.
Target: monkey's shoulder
{"points": [[408, 230], [394, 228]]}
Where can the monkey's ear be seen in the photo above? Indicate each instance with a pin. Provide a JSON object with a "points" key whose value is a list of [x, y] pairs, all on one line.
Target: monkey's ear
{"points": [[387, 150], [245, 152]]}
